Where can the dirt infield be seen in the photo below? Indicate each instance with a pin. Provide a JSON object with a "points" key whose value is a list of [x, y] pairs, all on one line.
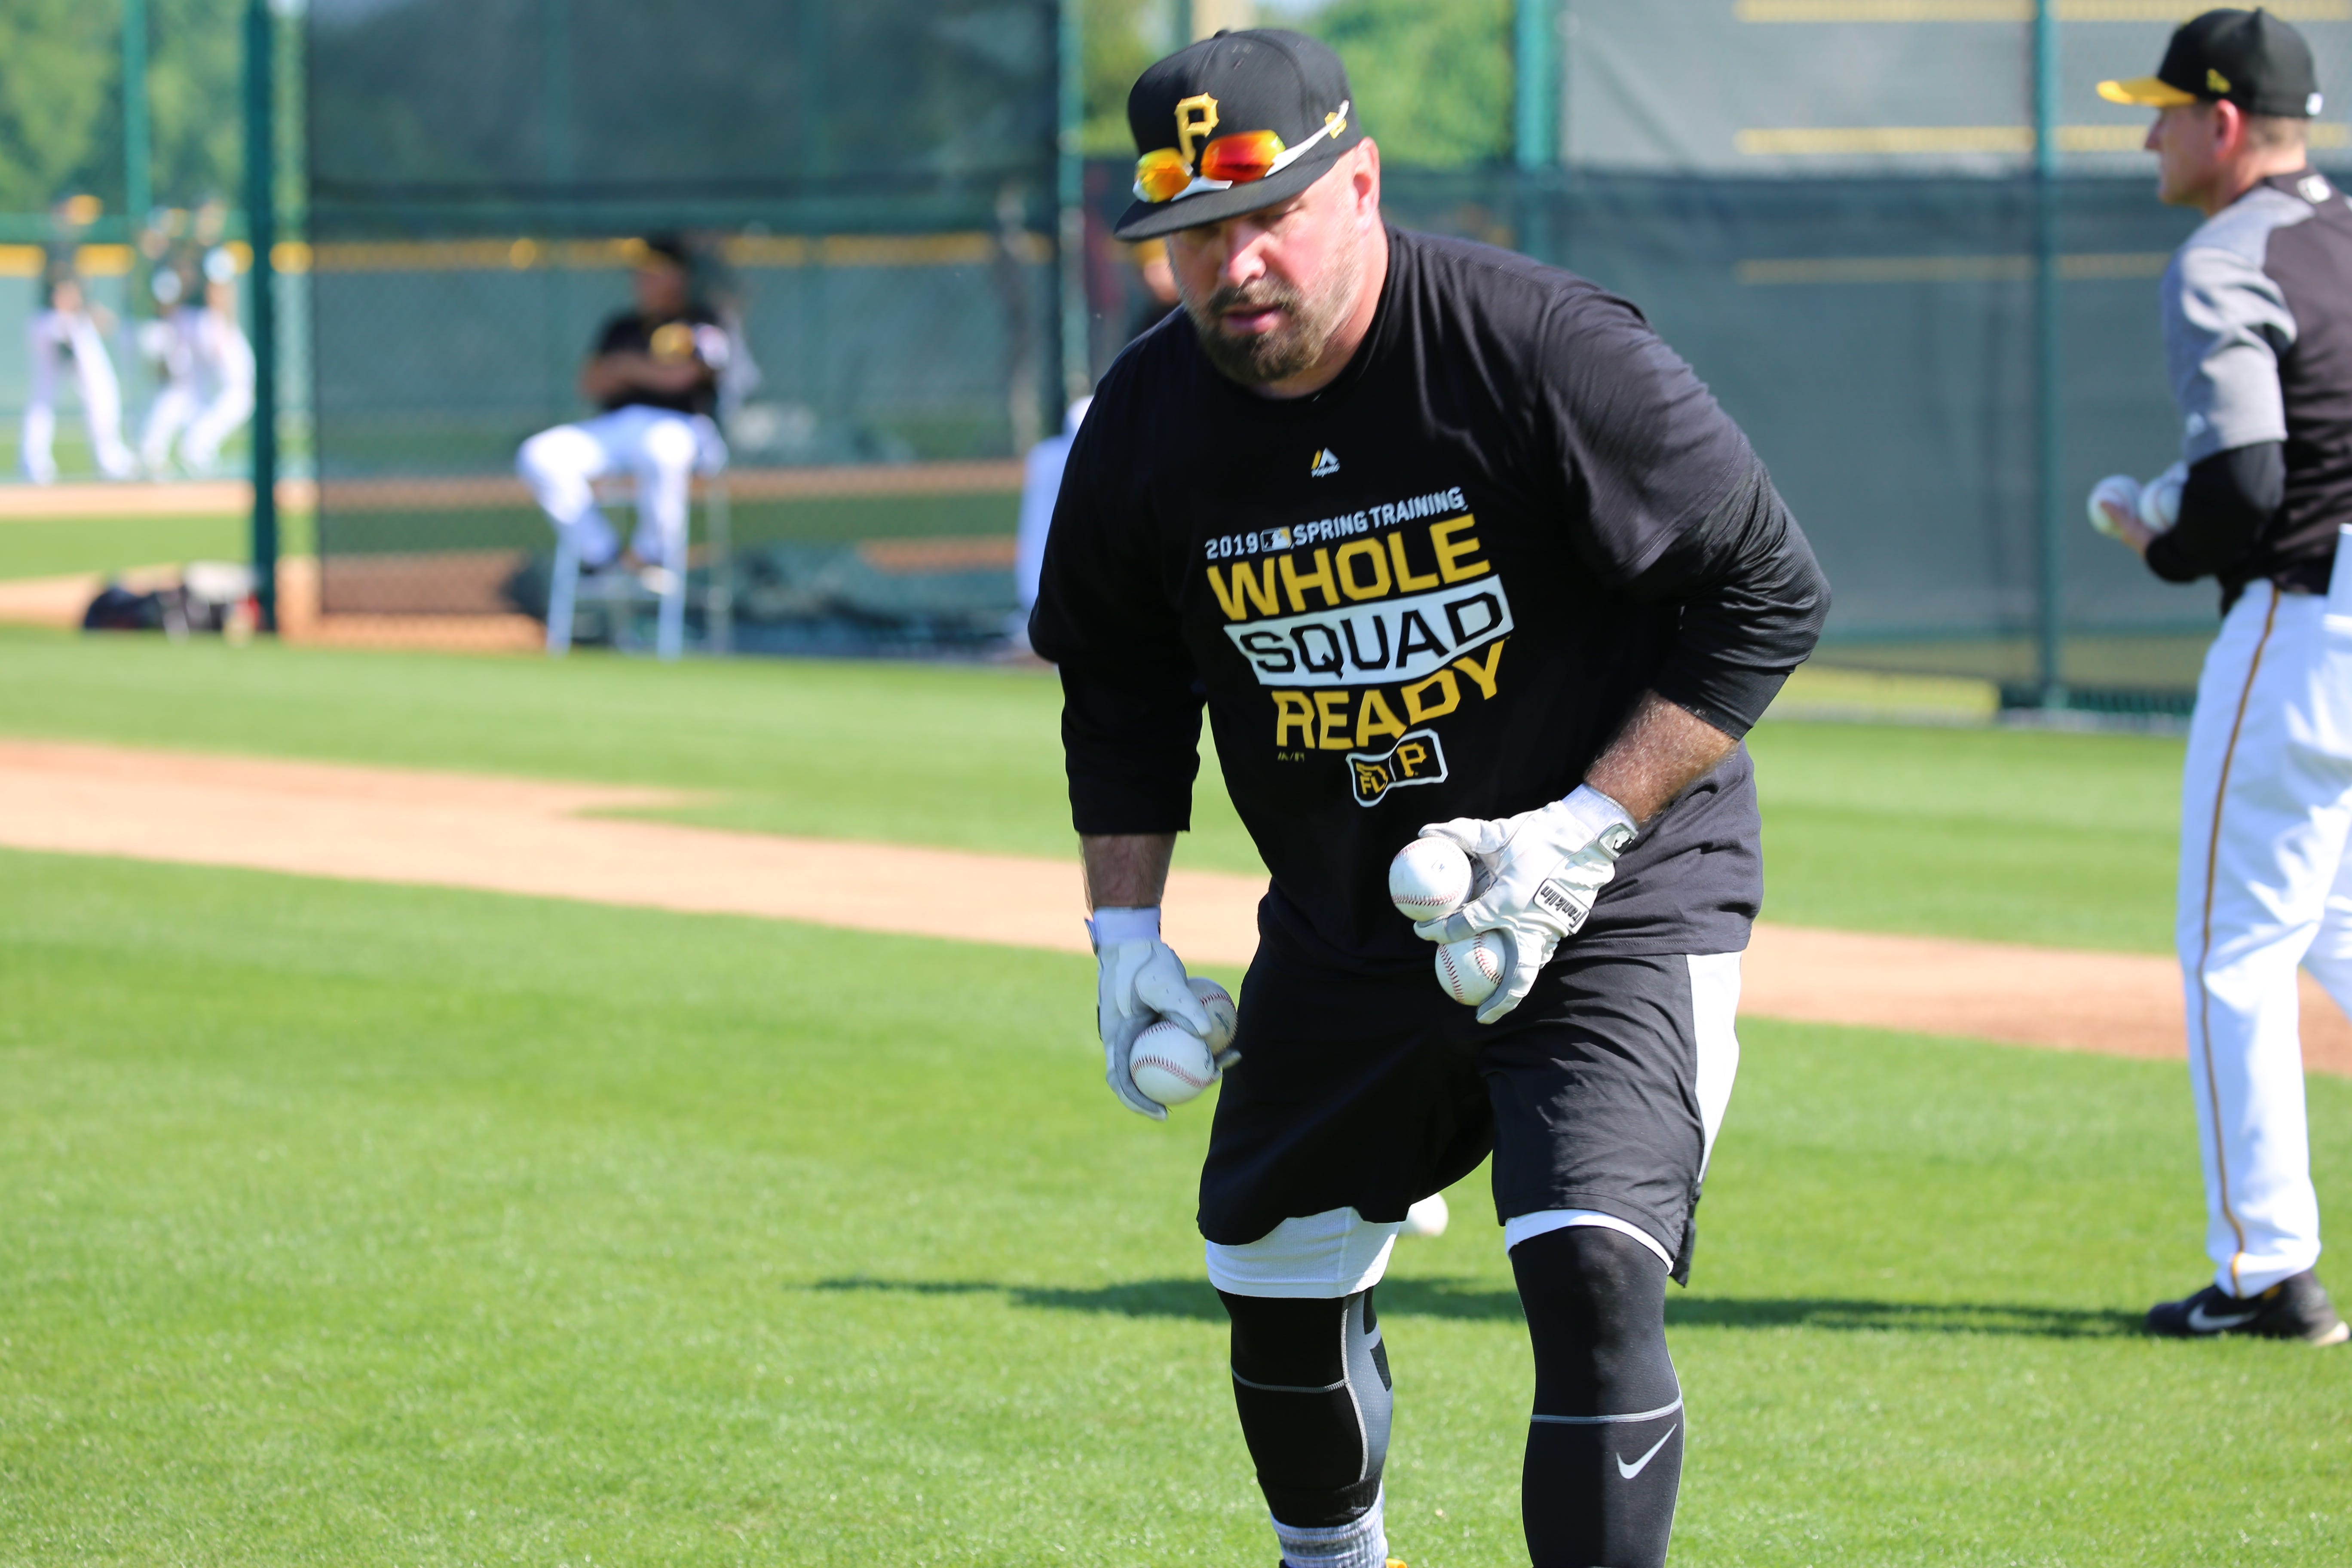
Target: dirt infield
{"points": [[521, 837]]}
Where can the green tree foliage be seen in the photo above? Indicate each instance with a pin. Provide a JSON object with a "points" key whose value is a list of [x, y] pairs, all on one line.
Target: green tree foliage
{"points": [[1117, 38], [58, 73], [61, 100], [194, 87], [1432, 77]]}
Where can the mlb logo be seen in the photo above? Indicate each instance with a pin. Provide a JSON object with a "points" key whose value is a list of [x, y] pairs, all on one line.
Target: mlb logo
{"points": [[1415, 759]]}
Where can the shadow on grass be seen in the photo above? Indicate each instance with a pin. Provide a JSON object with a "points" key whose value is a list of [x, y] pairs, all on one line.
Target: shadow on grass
{"points": [[1460, 1300], [1196, 1299], [1900, 1317]]}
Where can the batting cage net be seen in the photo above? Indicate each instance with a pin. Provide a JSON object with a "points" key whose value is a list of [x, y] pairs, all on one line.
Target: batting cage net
{"points": [[1844, 210], [866, 196]]}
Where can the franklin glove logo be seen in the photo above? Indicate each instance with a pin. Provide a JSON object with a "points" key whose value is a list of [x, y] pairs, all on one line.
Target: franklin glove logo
{"points": [[1324, 464], [1561, 903]]}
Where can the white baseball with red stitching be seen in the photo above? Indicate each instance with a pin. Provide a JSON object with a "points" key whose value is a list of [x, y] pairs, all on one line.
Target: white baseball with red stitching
{"points": [[1171, 1065], [1218, 1003], [1469, 970], [1429, 878]]}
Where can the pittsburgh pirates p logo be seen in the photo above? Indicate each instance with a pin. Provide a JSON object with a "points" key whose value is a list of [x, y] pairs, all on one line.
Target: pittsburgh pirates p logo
{"points": [[1415, 759], [1195, 117]]}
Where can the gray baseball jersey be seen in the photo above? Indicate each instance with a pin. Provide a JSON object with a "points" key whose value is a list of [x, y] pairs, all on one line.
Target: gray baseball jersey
{"points": [[2258, 338]]}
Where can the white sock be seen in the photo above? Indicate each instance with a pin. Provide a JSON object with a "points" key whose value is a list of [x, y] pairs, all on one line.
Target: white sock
{"points": [[1363, 1544]]}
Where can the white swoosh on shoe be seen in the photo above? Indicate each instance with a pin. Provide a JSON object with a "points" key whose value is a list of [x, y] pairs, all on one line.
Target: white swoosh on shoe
{"points": [[2201, 1323], [1638, 1466]]}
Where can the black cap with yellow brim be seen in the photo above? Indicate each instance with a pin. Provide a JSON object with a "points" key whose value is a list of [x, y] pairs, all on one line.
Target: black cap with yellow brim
{"points": [[2153, 91], [2250, 58]]}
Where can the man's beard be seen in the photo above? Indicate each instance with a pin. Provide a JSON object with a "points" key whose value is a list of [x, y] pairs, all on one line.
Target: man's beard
{"points": [[1313, 321]]}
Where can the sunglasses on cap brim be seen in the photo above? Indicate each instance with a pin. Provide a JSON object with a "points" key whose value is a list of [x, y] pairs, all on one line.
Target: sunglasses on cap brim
{"points": [[1240, 158]]}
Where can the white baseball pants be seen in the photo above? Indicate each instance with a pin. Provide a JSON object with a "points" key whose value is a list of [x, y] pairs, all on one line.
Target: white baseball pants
{"points": [[206, 347], [2265, 822], [661, 447], [50, 335]]}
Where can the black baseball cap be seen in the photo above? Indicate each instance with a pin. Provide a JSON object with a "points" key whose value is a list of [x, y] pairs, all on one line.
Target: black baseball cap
{"points": [[1238, 84], [2250, 58]]}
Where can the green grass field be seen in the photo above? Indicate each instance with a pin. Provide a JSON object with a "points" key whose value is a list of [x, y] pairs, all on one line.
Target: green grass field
{"points": [[350, 1224], [65, 546], [354, 1224]]}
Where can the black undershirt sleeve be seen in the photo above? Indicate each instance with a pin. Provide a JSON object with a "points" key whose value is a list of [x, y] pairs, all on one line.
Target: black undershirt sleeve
{"points": [[2229, 500], [1753, 599], [1130, 700], [1132, 747]]}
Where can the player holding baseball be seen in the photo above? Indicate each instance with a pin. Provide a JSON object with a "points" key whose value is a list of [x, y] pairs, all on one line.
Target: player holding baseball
{"points": [[1437, 535], [2258, 335], [656, 371]]}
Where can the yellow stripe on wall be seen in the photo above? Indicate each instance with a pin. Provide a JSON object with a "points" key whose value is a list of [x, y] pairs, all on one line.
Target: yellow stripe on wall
{"points": [[90, 260], [1883, 140], [2173, 11], [2013, 11], [960, 248], [1884, 10], [2091, 267], [1930, 141]]}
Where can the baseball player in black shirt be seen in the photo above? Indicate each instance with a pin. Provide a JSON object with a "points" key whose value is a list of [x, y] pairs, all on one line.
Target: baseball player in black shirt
{"points": [[655, 371], [1446, 543]]}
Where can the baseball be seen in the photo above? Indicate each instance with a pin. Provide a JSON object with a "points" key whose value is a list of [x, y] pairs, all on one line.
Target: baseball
{"points": [[1218, 1002], [1170, 1064], [2120, 489], [1428, 879], [1469, 970]]}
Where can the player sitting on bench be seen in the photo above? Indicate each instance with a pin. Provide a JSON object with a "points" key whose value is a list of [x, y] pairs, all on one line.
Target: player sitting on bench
{"points": [[655, 371]]}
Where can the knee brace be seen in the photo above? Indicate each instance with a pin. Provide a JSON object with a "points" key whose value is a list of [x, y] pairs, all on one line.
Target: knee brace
{"points": [[1311, 1384], [1605, 1442]]}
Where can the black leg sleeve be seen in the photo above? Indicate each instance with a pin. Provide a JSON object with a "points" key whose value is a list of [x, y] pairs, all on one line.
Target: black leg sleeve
{"points": [[1605, 1444], [1311, 1384]]}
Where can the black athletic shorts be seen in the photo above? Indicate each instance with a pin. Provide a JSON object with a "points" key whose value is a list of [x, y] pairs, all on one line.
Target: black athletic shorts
{"points": [[1374, 1093]]}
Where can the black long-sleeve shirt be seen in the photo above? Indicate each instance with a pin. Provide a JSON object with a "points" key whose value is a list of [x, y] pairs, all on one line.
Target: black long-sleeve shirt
{"points": [[1434, 589]]}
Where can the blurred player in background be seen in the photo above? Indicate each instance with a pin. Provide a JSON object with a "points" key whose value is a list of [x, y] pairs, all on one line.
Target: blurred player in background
{"points": [[656, 371], [2258, 337], [1158, 281], [68, 326], [206, 366], [1041, 476], [1040, 484]]}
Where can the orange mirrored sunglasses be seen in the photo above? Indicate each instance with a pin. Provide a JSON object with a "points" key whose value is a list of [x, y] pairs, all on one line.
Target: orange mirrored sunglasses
{"points": [[1236, 160]]}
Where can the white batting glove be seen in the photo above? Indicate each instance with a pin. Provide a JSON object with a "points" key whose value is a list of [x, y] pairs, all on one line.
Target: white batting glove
{"points": [[2160, 499], [2118, 490], [1140, 981], [1545, 868]]}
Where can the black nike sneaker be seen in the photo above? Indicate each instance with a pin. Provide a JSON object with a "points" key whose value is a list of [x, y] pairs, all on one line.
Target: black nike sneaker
{"points": [[2296, 1308]]}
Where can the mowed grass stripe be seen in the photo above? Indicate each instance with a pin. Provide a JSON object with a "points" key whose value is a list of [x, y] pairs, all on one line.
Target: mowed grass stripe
{"points": [[356, 1224], [2064, 840], [60, 547]]}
